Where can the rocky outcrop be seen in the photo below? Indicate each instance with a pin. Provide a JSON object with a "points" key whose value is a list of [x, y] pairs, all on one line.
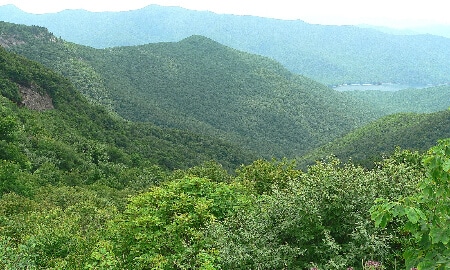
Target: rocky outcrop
{"points": [[7, 42], [33, 100]]}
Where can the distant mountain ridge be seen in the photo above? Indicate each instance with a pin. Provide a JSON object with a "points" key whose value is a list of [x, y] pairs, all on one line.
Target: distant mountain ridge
{"points": [[329, 54], [424, 100], [438, 30]]}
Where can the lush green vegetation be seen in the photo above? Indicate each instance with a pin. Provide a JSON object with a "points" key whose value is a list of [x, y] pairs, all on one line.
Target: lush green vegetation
{"points": [[69, 206], [81, 188], [260, 106], [426, 213], [65, 172], [329, 54]]}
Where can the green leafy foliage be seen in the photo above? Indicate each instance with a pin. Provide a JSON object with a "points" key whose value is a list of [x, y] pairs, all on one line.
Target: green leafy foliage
{"points": [[80, 188], [264, 177], [9, 90], [55, 228], [12, 179], [10, 133], [426, 213], [162, 228], [319, 217], [67, 171]]}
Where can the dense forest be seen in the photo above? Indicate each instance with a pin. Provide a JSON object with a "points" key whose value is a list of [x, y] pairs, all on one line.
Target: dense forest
{"points": [[75, 121], [88, 183], [328, 54]]}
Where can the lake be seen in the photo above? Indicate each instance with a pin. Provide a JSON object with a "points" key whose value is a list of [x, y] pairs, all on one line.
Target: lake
{"points": [[377, 87]]}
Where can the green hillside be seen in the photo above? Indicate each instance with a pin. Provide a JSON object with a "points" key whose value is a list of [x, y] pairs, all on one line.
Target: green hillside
{"points": [[80, 189], [329, 54], [202, 86], [381, 137], [249, 99]]}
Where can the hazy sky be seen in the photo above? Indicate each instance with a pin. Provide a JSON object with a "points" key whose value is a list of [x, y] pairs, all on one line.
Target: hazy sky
{"points": [[393, 13]]}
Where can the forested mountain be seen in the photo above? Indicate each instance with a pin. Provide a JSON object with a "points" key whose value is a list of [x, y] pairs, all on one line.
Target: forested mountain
{"points": [[369, 143], [200, 85], [82, 189], [205, 87], [69, 132], [329, 54], [68, 167]]}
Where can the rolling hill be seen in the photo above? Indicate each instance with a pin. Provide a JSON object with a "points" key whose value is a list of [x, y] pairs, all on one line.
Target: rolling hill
{"points": [[329, 54], [380, 138], [438, 30], [423, 100], [81, 189], [207, 88]]}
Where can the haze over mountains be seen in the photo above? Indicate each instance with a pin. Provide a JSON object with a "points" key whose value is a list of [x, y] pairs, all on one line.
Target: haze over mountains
{"points": [[438, 30], [329, 54], [202, 86]]}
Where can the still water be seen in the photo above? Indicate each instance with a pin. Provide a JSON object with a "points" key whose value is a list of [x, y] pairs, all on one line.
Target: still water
{"points": [[378, 87]]}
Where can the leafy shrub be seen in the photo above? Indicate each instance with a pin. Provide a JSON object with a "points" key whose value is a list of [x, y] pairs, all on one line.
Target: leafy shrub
{"points": [[426, 213], [163, 228]]}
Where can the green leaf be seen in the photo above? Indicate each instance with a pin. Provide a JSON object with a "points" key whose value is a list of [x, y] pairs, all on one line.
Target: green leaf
{"points": [[427, 264], [440, 235], [381, 217], [414, 214], [398, 210], [446, 166]]}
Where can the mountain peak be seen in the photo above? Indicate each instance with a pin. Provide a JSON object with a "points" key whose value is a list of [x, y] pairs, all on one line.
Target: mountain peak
{"points": [[14, 34], [200, 40], [10, 7]]}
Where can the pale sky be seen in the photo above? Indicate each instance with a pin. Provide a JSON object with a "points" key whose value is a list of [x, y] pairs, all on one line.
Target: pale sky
{"points": [[393, 13]]}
